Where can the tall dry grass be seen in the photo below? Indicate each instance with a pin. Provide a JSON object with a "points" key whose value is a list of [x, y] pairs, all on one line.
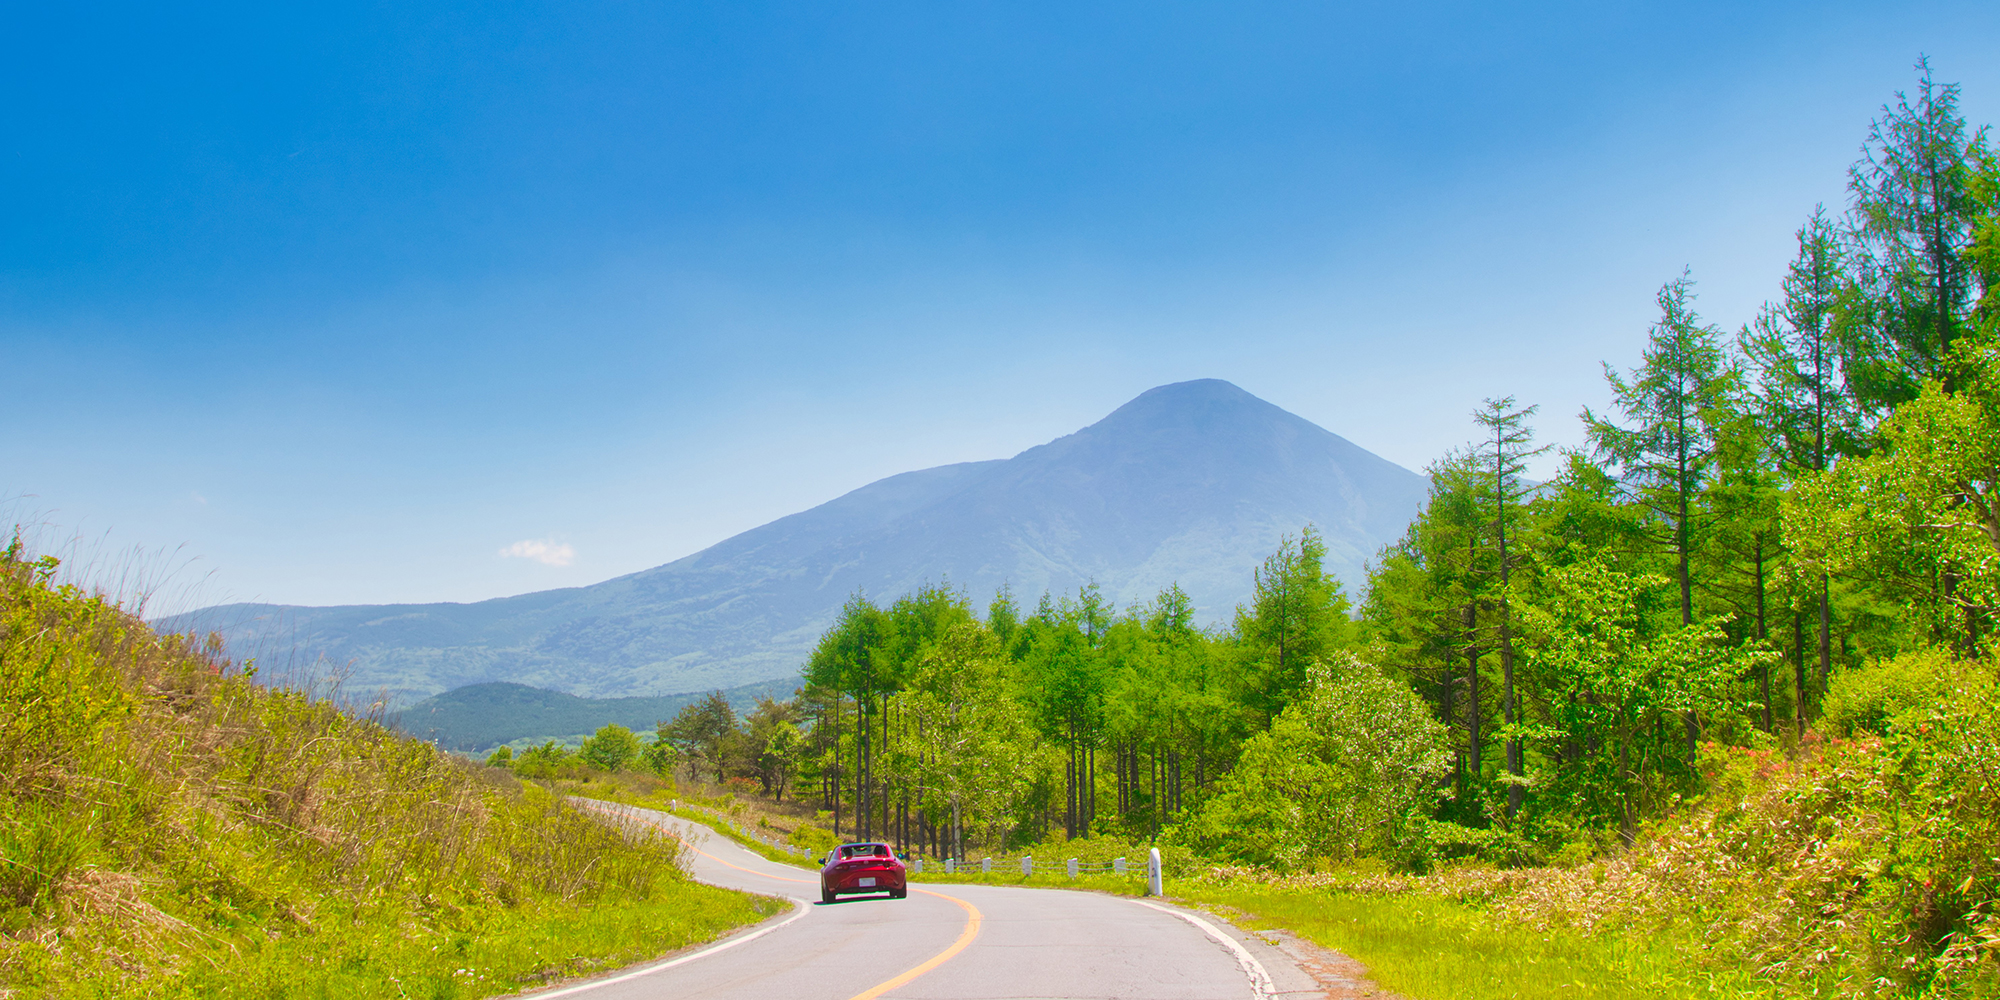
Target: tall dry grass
{"points": [[165, 819]]}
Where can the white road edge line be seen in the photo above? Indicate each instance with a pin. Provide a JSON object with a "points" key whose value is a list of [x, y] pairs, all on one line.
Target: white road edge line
{"points": [[799, 909], [1260, 981]]}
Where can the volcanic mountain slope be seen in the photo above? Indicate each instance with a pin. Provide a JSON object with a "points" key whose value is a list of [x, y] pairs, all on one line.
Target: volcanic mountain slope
{"points": [[1191, 483]]}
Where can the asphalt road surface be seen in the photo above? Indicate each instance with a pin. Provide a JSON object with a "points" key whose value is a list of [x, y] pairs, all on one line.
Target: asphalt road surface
{"points": [[949, 942]]}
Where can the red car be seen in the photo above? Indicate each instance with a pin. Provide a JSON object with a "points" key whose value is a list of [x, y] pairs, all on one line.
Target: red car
{"points": [[862, 868]]}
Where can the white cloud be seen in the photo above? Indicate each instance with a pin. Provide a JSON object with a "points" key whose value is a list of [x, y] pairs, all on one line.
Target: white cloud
{"points": [[544, 551]]}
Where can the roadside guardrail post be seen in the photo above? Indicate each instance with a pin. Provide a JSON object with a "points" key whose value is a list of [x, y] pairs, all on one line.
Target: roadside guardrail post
{"points": [[1118, 865], [950, 865], [1072, 868], [920, 866], [985, 866], [1027, 864], [1153, 886]]}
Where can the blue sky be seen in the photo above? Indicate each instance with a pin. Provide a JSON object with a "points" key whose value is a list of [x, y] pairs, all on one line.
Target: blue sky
{"points": [[348, 302]]}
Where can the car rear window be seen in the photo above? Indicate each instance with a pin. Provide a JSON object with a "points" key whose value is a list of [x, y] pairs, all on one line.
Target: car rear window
{"points": [[864, 851]]}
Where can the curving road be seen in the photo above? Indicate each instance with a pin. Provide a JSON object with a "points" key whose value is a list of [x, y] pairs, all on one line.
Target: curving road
{"points": [[950, 942]]}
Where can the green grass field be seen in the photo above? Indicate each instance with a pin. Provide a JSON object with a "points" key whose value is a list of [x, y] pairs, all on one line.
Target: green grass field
{"points": [[1427, 948]]}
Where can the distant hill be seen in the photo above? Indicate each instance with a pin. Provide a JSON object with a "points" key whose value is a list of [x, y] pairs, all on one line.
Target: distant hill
{"points": [[483, 716], [1191, 483]]}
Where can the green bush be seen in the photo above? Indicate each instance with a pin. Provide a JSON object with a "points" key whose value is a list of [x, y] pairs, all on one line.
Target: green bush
{"points": [[1866, 699], [611, 748], [817, 839], [1350, 769]]}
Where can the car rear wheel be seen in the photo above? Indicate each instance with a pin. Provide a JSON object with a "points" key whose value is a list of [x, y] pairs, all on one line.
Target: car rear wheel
{"points": [[898, 893], [826, 895]]}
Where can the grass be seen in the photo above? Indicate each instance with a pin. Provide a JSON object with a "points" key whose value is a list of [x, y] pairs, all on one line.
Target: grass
{"points": [[1119, 885], [170, 828], [485, 954], [1428, 948], [725, 814]]}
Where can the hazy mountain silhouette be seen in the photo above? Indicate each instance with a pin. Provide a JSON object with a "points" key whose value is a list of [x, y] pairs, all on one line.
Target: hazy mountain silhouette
{"points": [[1193, 483]]}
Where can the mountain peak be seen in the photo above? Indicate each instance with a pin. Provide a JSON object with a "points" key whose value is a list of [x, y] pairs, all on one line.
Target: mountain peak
{"points": [[1188, 399], [1190, 484]]}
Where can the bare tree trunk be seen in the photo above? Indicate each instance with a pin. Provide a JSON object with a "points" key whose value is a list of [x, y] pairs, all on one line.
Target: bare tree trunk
{"points": [[1763, 632], [1825, 644]]}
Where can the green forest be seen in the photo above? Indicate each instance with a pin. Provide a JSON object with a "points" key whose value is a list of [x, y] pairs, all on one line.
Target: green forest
{"points": [[1752, 622]]}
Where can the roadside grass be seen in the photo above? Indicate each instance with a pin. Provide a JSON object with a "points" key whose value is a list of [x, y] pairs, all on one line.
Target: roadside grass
{"points": [[169, 828], [648, 792], [1428, 948], [478, 955], [1120, 885]]}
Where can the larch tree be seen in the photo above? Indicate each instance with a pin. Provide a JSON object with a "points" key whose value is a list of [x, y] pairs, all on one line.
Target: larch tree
{"points": [[1914, 217], [1665, 453], [1297, 615], [1503, 464], [1802, 394]]}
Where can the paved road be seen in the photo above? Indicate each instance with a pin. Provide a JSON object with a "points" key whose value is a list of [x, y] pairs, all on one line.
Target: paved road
{"points": [[949, 942]]}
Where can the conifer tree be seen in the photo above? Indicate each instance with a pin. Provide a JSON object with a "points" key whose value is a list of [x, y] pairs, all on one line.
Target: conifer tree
{"points": [[1674, 402], [1503, 458], [1298, 614], [1802, 390], [1914, 215]]}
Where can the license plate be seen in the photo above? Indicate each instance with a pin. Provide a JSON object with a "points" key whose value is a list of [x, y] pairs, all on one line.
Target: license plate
{"points": [[866, 881]]}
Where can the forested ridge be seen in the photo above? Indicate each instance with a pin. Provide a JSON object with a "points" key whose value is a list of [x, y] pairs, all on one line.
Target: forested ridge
{"points": [[1746, 635]]}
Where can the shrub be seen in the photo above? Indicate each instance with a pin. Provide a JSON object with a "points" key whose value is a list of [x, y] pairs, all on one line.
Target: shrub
{"points": [[1350, 769], [1866, 699], [816, 839], [612, 748]]}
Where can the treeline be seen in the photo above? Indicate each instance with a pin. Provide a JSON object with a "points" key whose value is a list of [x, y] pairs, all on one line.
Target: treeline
{"points": [[1759, 510], [1535, 668], [760, 751]]}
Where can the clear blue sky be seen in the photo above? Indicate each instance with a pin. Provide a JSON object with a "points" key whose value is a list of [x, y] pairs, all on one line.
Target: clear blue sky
{"points": [[348, 301]]}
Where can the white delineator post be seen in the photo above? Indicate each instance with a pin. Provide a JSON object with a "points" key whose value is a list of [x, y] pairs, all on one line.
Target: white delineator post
{"points": [[1027, 864], [986, 866], [1153, 886], [950, 866], [1072, 868], [920, 866], [1118, 865]]}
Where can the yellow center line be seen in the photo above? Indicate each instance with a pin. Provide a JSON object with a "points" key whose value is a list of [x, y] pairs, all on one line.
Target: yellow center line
{"points": [[972, 920]]}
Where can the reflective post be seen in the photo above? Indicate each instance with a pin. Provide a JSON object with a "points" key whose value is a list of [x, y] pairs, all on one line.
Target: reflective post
{"points": [[1153, 887], [1027, 864], [1072, 868]]}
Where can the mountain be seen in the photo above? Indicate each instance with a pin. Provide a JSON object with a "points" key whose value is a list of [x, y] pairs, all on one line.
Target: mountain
{"points": [[1193, 483], [483, 716]]}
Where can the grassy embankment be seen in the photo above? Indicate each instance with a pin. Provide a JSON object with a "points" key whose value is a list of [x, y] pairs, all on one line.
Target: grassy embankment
{"points": [[731, 814], [1432, 948], [1860, 861], [169, 829]]}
